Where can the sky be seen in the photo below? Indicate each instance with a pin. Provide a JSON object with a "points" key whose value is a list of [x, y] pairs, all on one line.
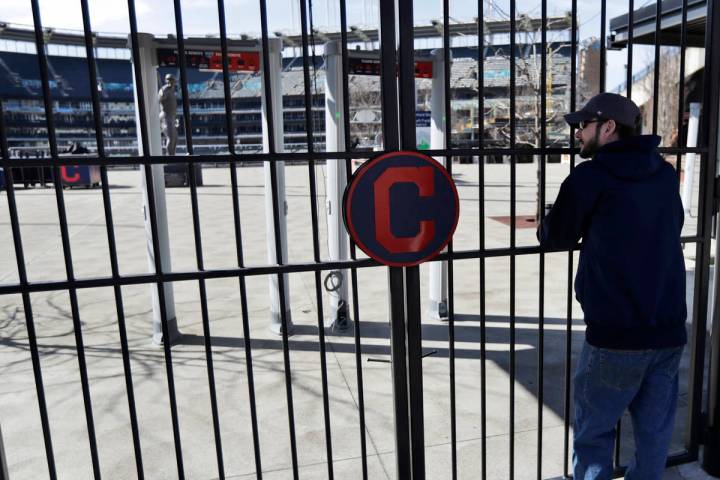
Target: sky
{"points": [[243, 17]]}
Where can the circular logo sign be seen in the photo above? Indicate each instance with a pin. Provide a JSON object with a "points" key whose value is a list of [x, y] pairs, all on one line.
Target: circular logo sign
{"points": [[401, 208]]}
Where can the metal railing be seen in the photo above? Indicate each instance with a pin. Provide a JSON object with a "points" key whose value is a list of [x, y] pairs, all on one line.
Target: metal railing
{"points": [[404, 284]]}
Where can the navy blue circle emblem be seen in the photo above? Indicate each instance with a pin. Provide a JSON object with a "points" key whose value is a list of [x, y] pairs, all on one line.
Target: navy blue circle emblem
{"points": [[401, 208]]}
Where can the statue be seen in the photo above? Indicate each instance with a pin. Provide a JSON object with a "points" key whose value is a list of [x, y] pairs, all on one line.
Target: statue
{"points": [[168, 113]]}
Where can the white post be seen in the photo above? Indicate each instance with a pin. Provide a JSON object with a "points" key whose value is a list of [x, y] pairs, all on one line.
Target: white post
{"points": [[438, 307], [148, 62], [274, 69], [692, 135], [338, 240]]}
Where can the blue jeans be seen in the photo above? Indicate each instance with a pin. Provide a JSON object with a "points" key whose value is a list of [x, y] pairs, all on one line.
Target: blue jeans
{"points": [[607, 382]]}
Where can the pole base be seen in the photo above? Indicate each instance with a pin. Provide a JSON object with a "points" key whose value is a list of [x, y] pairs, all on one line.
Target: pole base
{"points": [[438, 310], [276, 323], [175, 334], [340, 321]]}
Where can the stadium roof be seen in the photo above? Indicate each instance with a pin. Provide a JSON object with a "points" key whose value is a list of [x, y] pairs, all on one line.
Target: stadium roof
{"points": [[354, 34], [644, 21]]}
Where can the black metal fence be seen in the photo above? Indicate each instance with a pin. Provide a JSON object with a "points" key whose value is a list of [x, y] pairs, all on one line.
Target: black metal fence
{"points": [[398, 107]]}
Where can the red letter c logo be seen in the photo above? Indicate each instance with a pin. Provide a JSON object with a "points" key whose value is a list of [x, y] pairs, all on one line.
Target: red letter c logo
{"points": [[423, 178], [70, 179]]}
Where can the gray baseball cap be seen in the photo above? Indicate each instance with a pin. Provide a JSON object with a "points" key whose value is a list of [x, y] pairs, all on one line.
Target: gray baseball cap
{"points": [[607, 106]]}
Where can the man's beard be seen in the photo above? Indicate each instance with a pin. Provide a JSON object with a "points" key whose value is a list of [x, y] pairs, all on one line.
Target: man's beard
{"points": [[589, 148]]}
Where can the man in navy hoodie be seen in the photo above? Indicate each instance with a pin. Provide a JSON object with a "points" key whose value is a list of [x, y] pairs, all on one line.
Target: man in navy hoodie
{"points": [[625, 206]]}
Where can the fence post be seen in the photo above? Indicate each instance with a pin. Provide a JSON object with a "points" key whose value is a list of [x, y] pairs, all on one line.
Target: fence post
{"points": [[148, 59], [438, 306], [711, 121], [274, 69], [338, 243]]}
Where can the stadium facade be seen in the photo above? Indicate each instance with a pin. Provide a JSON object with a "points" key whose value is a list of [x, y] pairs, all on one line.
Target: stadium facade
{"points": [[20, 88]]}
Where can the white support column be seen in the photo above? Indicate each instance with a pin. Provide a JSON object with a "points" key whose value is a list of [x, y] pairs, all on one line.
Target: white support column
{"points": [[438, 307], [336, 178], [148, 62], [274, 69], [689, 164]]}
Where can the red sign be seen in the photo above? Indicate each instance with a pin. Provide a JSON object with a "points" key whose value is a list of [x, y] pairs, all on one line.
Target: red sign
{"points": [[211, 61], [371, 66], [423, 69], [401, 208]]}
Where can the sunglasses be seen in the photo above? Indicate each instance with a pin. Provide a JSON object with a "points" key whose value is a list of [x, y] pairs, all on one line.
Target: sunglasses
{"points": [[582, 125]]}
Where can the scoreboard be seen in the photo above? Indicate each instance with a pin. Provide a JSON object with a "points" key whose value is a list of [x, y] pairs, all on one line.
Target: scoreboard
{"points": [[371, 66], [210, 61]]}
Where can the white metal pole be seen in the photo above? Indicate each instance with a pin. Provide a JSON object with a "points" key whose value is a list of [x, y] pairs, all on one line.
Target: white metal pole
{"points": [[338, 240], [438, 307], [274, 69], [692, 136], [148, 61]]}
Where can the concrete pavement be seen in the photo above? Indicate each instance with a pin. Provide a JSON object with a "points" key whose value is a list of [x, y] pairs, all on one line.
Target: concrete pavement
{"points": [[53, 322]]}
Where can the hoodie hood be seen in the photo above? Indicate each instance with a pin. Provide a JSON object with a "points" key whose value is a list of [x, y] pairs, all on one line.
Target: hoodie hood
{"points": [[633, 158]]}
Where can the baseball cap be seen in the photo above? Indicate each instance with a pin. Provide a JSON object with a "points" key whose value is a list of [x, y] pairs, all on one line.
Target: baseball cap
{"points": [[607, 106]]}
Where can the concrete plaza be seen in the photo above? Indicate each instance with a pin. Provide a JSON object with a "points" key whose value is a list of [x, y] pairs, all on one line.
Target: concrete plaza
{"points": [[19, 417]]}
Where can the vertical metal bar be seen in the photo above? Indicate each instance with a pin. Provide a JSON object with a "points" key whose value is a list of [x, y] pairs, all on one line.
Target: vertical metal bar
{"points": [[309, 101], [603, 66], [681, 92], [160, 283], [238, 239], [65, 238], [358, 356], [568, 328], [406, 82], [353, 271], [388, 83], [27, 305], [110, 228], [603, 47], [345, 68], [708, 171], [276, 223], [711, 97], [513, 220], [226, 84], [399, 373], [541, 186], [631, 32], [481, 235], [180, 35], [245, 322], [391, 142], [415, 375], [618, 436], [447, 112], [656, 67], [357, 337]]}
